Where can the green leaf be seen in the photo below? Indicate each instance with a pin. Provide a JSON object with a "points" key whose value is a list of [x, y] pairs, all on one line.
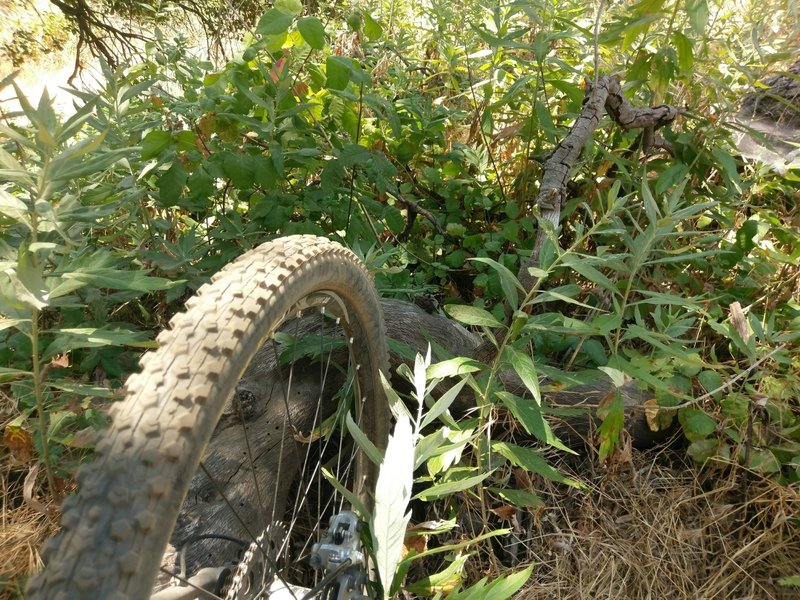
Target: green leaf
{"points": [[155, 142], [14, 208], [617, 377], [354, 500], [274, 21], [710, 380], [392, 495], [527, 412], [650, 206], [338, 71], [313, 32], [67, 385], [698, 15], [472, 315], [763, 461], [696, 424], [685, 51], [442, 404], [372, 28], [89, 337], [450, 487], [500, 588], [519, 498], [364, 443], [452, 367], [117, 279], [524, 367], [26, 279], [508, 281], [610, 430], [292, 7], [240, 169], [530, 460], [171, 184], [791, 580]]}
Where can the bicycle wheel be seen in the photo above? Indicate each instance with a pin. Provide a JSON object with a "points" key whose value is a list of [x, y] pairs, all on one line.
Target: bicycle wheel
{"points": [[297, 316]]}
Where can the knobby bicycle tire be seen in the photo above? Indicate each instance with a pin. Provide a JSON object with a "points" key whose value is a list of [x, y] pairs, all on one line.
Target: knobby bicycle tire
{"points": [[115, 529]]}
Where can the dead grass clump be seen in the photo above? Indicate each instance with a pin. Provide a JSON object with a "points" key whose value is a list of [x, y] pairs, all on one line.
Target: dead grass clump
{"points": [[668, 532], [25, 522]]}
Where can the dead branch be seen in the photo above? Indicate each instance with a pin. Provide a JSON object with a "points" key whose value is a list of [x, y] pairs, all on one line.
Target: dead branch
{"points": [[605, 95]]}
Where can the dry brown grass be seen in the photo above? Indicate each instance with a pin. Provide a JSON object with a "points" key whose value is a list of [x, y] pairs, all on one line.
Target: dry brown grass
{"points": [[660, 530], [24, 524]]}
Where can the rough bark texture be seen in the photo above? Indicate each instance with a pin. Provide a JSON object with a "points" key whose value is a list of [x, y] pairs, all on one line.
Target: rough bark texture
{"points": [[772, 117], [606, 95]]}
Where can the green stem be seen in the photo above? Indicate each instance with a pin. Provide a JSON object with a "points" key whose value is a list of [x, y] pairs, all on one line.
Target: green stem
{"points": [[38, 385]]}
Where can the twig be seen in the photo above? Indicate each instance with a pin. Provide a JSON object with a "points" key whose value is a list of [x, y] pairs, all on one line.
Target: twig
{"points": [[728, 383]]}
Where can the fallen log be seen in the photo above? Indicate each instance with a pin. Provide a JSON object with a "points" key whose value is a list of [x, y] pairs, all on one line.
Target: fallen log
{"points": [[229, 476]]}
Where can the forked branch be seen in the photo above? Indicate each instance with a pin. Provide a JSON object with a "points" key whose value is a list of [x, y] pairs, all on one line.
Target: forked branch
{"points": [[605, 95]]}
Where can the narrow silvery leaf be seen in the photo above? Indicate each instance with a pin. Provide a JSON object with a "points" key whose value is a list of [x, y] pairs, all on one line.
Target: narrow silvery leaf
{"points": [[420, 367], [392, 495]]}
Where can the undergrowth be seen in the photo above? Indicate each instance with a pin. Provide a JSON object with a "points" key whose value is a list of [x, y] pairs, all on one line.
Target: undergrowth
{"points": [[415, 135]]}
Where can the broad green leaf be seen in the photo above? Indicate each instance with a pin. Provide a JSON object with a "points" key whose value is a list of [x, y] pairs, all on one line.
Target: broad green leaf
{"points": [[372, 28], [6, 323], [396, 404], [27, 282], [524, 367], [763, 461], [7, 161], [429, 446], [7, 374], [155, 142], [710, 380], [292, 7], [171, 184], [274, 21], [697, 425], [582, 267], [556, 295], [450, 487], [363, 441], [313, 32], [527, 412], [617, 377], [338, 71], [472, 315], [14, 208], [392, 495], [441, 582]]}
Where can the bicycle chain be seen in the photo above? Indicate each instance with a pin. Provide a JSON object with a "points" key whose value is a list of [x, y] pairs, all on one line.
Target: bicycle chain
{"points": [[242, 572]]}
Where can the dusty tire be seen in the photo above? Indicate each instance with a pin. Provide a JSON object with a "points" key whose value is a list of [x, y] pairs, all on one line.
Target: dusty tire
{"points": [[117, 526]]}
